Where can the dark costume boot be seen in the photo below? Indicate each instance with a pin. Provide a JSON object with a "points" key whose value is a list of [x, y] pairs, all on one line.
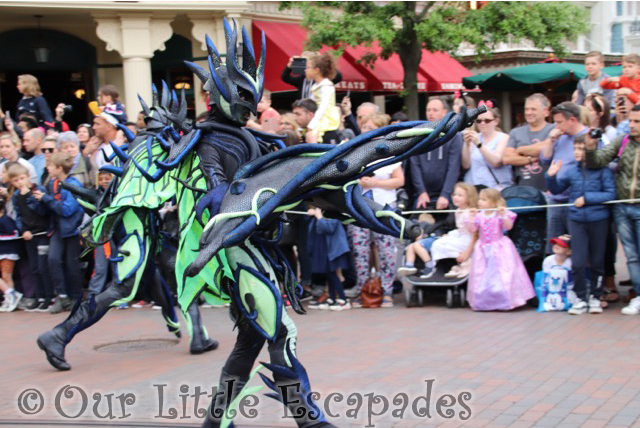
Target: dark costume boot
{"points": [[83, 315], [200, 340], [54, 341]]}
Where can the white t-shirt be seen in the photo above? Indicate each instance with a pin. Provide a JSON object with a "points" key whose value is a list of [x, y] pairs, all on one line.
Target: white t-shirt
{"points": [[550, 261], [385, 196], [98, 156]]}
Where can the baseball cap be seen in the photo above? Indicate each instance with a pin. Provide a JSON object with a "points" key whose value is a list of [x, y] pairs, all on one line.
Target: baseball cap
{"points": [[563, 240]]}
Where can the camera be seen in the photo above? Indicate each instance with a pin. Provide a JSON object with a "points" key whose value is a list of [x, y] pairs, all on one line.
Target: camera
{"points": [[298, 65], [595, 134], [67, 108]]}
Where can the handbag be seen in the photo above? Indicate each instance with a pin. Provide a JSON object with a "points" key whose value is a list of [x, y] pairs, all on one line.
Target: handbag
{"points": [[371, 294]]}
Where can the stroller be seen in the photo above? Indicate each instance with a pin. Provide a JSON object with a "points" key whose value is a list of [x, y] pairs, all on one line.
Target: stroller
{"points": [[528, 234], [416, 288]]}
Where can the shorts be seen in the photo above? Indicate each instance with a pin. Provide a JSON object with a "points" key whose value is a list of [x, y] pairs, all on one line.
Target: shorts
{"points": [[428, 242]]}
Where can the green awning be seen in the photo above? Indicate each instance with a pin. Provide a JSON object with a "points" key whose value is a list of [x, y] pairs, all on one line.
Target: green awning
{"points": [[614, 70], [520, 78]]}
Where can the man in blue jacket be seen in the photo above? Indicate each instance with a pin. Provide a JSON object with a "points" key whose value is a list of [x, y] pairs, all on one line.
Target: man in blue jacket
{"points": [[434, 174], [64, 248], [588, 222]]}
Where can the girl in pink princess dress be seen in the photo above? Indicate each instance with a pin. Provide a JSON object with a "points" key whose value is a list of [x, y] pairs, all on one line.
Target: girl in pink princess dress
{"points": [[498, 280]]}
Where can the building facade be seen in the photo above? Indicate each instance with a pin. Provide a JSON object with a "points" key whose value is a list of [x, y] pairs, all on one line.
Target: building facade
{"points": [[75, 47]]}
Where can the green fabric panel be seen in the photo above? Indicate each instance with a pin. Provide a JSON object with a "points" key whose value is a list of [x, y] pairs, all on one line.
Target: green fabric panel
{"points": [[191, 230], [133, 224], [266, 303], [135, 190]]}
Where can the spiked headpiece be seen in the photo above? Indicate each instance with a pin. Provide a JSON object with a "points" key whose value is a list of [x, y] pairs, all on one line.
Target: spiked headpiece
{"points": [[235, 91]]}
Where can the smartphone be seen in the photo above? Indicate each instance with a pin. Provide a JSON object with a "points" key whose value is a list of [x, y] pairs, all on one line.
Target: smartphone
{"points": [[298, 65], [348, 93]]}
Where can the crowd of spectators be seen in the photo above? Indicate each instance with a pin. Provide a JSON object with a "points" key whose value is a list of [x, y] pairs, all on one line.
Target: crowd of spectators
{"points": [[572, 152]]}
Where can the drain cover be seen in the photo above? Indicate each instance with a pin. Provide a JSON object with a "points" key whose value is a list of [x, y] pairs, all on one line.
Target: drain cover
{"points": [[136, 345]]}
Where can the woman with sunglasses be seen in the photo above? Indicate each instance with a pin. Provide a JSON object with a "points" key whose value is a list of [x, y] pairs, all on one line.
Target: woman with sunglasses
{"points": [[482, 151], [48, 147]]}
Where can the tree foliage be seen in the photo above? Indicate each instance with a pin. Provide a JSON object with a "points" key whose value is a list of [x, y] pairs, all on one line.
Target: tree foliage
{"points": [[401, 27]]}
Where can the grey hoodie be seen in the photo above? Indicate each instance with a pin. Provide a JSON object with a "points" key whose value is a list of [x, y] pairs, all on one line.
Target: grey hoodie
{"points": [[437, 171]]}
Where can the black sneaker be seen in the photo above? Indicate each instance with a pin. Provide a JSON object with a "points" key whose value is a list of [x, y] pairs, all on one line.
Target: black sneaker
{"points": [[34, 305], [43, 306]]}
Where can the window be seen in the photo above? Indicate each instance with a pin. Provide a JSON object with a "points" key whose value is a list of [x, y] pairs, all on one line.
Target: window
{"points": [[616, 38], [619, 8]]}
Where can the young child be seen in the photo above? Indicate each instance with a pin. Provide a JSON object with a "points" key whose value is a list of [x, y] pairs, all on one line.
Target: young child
{"points": [[32, 220], [102, 253], [269, 117], [321, 68], [329, 251], [588, 223], [431, 250], [64, 245], [629, 82], [108, 97], [8, 256], [594, 63], [498, 278], [556, 289]]}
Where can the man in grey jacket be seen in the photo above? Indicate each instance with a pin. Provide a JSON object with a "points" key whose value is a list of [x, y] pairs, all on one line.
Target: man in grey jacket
{"points": [[434, 174]]}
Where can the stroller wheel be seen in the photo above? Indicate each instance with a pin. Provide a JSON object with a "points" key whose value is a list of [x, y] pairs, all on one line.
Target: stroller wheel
{"points": [[420, 292], [463, 298], [449, 298], [409, 296]]}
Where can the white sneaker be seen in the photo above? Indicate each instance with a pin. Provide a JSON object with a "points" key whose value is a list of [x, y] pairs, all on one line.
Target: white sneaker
{"points": [[326, 304], [594, 305], [578, 308], [633, 308], [407, 270], [340, 305]]}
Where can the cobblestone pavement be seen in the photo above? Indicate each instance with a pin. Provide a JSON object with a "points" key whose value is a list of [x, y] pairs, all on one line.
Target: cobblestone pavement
{"points": [[520, 369]]}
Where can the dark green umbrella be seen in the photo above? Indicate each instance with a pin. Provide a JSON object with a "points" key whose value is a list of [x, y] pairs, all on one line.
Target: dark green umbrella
{"points": [[548, 75], [614, 70]]}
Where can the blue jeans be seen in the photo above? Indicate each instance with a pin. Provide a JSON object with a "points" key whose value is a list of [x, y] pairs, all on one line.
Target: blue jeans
{"points": [[627, 218], [64, 265], [557, 222]]}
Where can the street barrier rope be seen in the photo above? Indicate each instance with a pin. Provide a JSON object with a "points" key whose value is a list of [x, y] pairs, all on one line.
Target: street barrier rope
{"points": [[529, 207]]}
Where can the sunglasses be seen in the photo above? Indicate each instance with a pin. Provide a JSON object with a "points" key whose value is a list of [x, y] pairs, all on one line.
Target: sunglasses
{"points": [[48, 150], [484, 120]]}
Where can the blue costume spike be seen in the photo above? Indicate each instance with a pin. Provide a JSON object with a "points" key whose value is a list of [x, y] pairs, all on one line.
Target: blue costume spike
{"points": [[119, 152], [115, 170], [130, 136]]}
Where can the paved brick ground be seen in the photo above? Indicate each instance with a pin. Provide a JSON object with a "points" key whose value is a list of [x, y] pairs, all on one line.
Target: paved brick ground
{"points": [[522, 369]]}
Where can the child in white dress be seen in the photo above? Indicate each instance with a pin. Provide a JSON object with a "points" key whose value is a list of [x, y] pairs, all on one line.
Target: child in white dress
{"points": [[451, 245]]}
